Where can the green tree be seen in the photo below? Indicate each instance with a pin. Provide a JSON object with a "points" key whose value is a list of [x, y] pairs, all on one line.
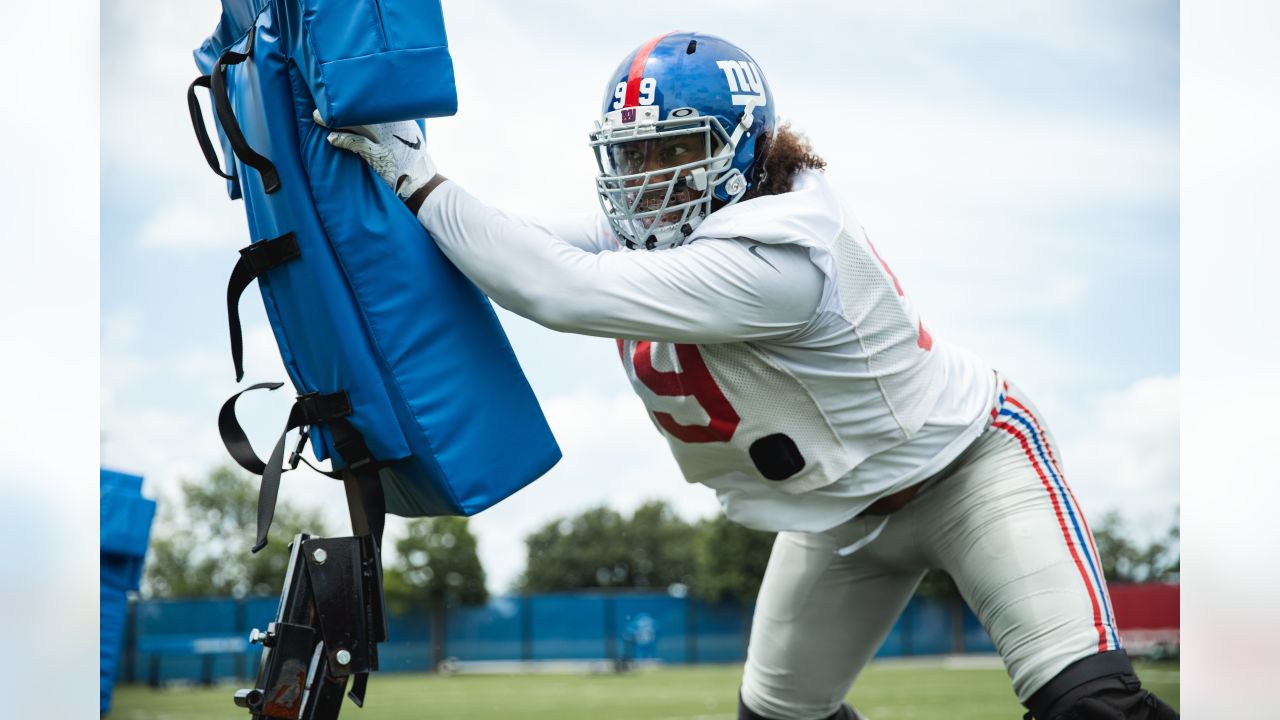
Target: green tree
{"points": [[201, 543], [662, 547], [1127, 560], [599, 548], [572, 553], [730, 560], [436, 566]]}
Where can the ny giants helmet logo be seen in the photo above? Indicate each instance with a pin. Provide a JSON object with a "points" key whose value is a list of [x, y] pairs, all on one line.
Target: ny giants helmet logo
{"points": [[628, 115], [745, 81]]}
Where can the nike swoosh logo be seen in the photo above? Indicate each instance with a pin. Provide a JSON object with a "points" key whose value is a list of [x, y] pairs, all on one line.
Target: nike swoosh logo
{"points": [[755, 250], [412, 145]]}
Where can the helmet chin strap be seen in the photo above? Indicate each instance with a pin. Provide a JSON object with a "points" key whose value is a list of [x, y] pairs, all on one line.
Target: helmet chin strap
{"points": [[734, 183], [744, 123]]}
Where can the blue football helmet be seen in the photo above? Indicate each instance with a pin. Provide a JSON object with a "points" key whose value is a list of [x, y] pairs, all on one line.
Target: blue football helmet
{"points": [[682, 118]]}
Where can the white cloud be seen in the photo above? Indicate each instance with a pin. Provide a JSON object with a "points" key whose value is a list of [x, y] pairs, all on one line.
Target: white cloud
{"points": [[185, 224], [147, 142], [519, 140], [1092, 31], [1124, 456], [163, 430], [159, 404], [985, 170], [121, 326], [146, 68], [120, 368]]}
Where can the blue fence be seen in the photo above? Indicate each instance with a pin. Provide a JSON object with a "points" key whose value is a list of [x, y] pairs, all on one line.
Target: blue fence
{"points": [[206, 641]]}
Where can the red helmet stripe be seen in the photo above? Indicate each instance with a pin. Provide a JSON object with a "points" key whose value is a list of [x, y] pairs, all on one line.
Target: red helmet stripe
{"points": [[637, 71]]}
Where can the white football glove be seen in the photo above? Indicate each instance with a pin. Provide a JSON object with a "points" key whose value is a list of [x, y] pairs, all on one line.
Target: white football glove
{"points": [[396, 151]]}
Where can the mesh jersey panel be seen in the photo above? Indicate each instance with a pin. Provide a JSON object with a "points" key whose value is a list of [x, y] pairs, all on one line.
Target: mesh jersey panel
{"points": [[888, 330]]}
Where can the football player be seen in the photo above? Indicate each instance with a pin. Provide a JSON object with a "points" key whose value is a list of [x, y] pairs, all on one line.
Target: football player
{"points": [[787, 368]]}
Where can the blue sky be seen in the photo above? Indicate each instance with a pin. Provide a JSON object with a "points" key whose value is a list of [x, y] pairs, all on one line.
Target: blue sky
{"points": [[1016, 163]]}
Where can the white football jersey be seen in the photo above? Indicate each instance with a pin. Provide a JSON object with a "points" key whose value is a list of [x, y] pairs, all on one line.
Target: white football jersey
{"points": [[775, 351]]}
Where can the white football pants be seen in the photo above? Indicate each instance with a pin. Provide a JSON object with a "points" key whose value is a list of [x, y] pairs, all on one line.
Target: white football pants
{"points": [[1001, 521]]}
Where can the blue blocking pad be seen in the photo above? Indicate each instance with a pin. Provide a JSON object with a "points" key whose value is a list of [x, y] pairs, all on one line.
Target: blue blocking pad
{"points": [[363, 302]]}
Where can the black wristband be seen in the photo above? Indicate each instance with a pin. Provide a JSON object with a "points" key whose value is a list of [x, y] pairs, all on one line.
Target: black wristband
{"points": [[419, 196]]}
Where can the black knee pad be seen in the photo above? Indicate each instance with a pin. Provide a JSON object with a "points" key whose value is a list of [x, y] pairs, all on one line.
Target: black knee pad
{"points": [[746, 713], [1098, 687], [844, 713]]}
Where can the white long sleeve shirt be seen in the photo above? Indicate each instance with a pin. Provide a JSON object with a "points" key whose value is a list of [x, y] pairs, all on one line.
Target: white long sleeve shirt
{"points": [[775, 351]]}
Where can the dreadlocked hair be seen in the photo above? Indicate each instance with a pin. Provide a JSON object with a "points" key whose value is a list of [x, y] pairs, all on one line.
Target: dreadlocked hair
{"points": [[784, 155]]}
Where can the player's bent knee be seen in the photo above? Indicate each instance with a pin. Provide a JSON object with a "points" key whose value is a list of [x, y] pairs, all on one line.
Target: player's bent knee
{"points": [[843, 713], [1099, 687]]}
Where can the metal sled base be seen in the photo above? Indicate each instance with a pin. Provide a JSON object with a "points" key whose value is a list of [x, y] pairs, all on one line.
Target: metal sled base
{"points": [[331, 617]]}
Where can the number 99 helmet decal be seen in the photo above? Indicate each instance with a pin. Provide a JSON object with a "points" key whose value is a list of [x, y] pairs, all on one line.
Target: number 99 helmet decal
{"points": [[682, 118]]}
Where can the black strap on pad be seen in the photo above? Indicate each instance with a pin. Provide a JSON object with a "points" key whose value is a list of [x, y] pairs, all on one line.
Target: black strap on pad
{"points": [[233, 437], [197, 124], [364, 487], [313, 409], [255, 260], [227, 118]]}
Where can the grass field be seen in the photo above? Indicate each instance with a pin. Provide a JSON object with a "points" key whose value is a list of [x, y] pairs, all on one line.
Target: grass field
{"points": [[915, 689]]}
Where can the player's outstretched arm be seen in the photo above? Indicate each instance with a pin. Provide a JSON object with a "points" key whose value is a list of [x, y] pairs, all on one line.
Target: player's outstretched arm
{"points": [[708, 291], [397, 153]]}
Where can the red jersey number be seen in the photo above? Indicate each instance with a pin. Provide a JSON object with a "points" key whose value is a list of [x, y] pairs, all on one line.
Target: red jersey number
{"points": [[693, 380]]}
